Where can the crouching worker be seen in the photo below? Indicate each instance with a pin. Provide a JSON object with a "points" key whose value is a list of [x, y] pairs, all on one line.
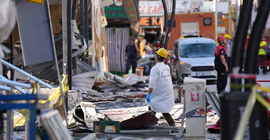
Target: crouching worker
{"points": [[160, 96]]}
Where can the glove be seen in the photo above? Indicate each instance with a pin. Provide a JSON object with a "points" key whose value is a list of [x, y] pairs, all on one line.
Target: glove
{"points": [[148, 97]]}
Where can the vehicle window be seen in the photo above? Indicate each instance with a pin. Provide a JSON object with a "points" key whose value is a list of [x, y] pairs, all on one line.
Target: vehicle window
{"points": [[197, 50]]}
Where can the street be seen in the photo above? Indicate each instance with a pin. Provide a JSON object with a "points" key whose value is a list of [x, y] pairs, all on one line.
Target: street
{"points": [[212, 87]]}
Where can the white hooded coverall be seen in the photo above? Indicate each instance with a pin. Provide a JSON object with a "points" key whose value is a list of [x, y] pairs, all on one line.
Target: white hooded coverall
{"points": [[162, 97]]}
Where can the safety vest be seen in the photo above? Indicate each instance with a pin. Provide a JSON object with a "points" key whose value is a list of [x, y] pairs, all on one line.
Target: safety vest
{"points": [[262, 51]]}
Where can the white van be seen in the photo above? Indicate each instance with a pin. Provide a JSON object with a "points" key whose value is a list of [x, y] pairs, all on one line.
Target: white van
{"points": [[195, 58]]}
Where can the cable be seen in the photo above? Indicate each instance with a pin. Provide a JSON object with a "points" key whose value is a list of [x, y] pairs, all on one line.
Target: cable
{"points": [[255, 38], [171, 25], [240, 38], [165, 24]]}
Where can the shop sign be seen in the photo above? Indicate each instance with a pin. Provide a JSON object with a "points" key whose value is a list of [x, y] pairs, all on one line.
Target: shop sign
{"points": [[115, 12], [151, 21], [118, 2], [131, 9], [182, 6], [150, 7]]}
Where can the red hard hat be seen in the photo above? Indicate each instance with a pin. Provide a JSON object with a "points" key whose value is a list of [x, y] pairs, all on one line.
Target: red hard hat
{"points": [[220, 38]]}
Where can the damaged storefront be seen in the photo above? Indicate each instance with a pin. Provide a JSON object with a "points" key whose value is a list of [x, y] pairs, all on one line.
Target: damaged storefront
{"points": [[122, 17]]}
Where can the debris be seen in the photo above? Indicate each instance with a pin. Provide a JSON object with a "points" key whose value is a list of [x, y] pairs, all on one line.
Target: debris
{"points": [[54, 126], [214, 128], [147, 118], [106, 126], [85, 113], [85, 81]]}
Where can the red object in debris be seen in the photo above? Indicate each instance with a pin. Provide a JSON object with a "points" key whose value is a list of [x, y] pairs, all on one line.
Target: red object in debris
{"points": [[138, 96], [147, 118], [215, 128]]}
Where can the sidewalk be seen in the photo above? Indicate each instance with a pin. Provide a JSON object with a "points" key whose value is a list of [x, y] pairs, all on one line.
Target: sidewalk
{"points": [[213, 87]]}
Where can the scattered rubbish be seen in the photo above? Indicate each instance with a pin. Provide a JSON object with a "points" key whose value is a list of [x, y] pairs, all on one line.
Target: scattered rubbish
{"points": [[85, 113], [107, 127], [85, 81]]}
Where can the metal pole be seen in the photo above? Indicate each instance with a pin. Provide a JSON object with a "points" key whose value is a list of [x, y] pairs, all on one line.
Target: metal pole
{"points": [[69, 50], [74, 9], [14, 83], [9, 125], [11, 55], [165, 23], [25, 73], [216, 22], [236, 14], [64, 30], [1, 125], [82, 24], [93, 35], [74, 17], [86, 28]]}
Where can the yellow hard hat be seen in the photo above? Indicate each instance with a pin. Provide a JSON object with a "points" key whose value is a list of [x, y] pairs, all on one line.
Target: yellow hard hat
{"points": [[227, 36], [181, 37], [162, 52]]}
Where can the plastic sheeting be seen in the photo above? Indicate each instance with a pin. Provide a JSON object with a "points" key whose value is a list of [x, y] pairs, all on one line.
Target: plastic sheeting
{"points": [[90, 114]]}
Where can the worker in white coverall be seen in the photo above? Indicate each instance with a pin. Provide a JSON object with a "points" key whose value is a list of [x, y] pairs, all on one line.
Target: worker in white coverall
{"points": [[160, 96]]}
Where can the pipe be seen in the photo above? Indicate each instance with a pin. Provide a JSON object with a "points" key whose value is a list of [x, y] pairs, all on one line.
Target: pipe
{"points": [[2, 126], [255, 38], [82, 24], [9, 82], [8, 88], [240, 37], [74, 9], [171, 24], [25, 73], [74, 18], [69, 52], [86, 28], [93, 34], [236, 14], [165, 24], [5, 88], [64, 31], [11, 55]]}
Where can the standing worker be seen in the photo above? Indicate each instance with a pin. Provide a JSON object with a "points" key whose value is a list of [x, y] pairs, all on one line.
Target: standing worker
{"points": [[131, 56], [156, 44], [160, 95], [229, 50], [262, 56], [221, 64]]}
